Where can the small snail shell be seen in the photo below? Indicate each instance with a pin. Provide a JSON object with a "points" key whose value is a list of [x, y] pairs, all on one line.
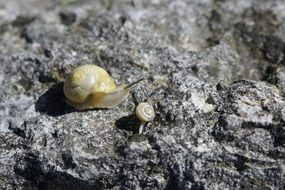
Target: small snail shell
{"points": [[145, 112], [90, 86]]}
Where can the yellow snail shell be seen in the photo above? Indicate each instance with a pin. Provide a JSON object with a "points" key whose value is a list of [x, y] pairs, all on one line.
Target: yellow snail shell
{"points": [[90, 86], [145, 112]]}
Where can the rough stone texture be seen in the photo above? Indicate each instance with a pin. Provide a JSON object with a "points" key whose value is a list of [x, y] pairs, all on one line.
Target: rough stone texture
{"points": [[214, 68]]}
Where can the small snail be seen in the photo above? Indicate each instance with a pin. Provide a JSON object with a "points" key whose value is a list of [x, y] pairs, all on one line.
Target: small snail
{"points": [[90, 86], [145, 113]]}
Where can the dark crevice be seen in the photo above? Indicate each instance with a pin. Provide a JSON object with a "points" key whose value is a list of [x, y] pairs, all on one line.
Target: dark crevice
{"points": [[24, 34], [240, 163], [17, 130], [67, 18], [68, 160], [31, 169], [22, 21]]}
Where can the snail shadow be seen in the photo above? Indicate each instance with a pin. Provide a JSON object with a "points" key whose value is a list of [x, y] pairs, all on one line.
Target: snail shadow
{"points": [[52, 102], [128, 123]]}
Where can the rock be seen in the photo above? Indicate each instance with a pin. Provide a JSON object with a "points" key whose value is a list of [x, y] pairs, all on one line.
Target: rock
{"points": [[214, 70]]}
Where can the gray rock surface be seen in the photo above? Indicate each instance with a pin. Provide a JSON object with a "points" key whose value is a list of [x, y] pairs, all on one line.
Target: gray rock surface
{"points": [[214, 68]]}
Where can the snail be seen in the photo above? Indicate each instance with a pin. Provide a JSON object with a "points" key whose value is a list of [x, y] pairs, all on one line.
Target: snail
{"points": [[145, 113], [90, 86]]}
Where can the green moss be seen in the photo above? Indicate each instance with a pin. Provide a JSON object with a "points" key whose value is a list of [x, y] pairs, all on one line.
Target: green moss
{"points": [[68, 2]]}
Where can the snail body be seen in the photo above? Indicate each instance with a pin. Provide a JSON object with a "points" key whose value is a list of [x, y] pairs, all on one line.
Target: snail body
{"points": [[90, 86]]}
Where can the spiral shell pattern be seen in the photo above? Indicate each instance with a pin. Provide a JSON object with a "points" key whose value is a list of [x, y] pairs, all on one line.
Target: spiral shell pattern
{"points": [[90, 86], [145, 112]]}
